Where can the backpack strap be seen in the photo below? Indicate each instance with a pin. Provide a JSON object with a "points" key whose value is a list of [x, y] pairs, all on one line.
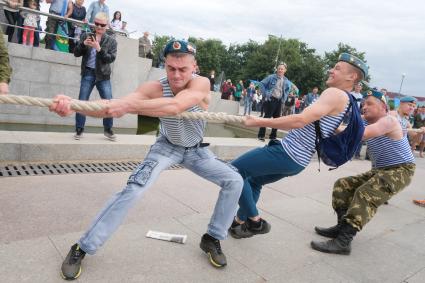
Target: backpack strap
{"points": [[317, 139]]}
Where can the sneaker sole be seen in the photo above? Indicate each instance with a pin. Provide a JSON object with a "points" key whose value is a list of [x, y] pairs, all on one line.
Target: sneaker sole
{"points": [[72, 278], [215, 264]]}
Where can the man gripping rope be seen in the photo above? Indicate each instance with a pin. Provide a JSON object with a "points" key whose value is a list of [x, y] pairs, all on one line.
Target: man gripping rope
{"points": [[179, 142]]}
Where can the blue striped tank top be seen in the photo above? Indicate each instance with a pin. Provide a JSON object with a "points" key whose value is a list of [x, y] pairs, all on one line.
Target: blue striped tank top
{"points": [[385, 151], [181, 132], [300, 143]]}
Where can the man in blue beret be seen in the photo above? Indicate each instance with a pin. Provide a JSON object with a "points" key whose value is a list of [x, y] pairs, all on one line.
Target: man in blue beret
{"points": [[403, 113], [289, 156], [357, 198], [179, 142]]}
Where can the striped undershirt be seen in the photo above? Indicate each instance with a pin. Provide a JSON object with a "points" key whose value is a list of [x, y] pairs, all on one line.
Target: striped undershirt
{"points": [[384, 151], [182, 132], [300, 143]]}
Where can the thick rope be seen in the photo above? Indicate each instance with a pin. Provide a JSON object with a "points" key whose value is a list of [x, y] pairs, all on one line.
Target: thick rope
{"points": [[78, 105]]}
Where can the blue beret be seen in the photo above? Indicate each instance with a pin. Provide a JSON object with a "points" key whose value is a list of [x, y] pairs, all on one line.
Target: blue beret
{"points": [[377, 94], [356, 62], [408, 99], [179, 46]]}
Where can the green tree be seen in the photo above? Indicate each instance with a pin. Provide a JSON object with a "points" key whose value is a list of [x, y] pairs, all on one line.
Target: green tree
{"points": [[209, 54], [158, 45], [305, 67]]}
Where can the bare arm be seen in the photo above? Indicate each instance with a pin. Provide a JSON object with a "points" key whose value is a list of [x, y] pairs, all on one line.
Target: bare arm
{"points": [[387, 125], [70, 9], [331, 102], [146, 100], [151, 103]]}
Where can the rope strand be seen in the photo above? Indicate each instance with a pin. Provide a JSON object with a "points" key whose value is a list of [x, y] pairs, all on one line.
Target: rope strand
{"points": [[78, 105]]}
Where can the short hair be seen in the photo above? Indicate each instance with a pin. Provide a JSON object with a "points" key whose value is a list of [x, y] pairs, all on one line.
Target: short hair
{"points": [[102, 16], [359, 74], [179, 55], [282, 64]]}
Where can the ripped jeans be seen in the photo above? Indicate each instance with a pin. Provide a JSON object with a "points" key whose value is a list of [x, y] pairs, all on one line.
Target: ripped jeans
{"points": [[163, 154]]}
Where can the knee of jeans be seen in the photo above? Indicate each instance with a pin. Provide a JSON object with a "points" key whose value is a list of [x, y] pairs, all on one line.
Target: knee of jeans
{"points": [[142, 173], [237, 183]]}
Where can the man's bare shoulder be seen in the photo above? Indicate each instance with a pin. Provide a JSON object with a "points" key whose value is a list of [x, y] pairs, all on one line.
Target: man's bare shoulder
{"points": [[150, 89], [333, 92], [393, 113], [393, 126], [199, 81], [334, 97]]}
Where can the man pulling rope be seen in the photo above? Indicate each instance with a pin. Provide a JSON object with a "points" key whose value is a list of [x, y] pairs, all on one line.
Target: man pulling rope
{"points": [[179, 142]]}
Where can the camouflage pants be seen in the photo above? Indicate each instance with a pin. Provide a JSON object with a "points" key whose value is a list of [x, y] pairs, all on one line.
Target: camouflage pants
{"points": [[361, 195]]}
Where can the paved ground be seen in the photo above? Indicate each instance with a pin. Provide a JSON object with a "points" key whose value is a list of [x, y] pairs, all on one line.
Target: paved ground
{"points": [[42, 216]]}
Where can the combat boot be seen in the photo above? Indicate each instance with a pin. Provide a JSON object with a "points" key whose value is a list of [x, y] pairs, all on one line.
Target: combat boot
{"points": [[332, 232], [341, 244]]}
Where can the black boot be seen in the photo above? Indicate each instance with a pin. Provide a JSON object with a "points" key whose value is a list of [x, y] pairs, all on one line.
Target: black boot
{"points": [[339, 245], [332, 232]]}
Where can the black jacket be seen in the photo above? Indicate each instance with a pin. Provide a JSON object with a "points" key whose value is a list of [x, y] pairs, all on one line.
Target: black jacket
{"points": [[104, 58]]}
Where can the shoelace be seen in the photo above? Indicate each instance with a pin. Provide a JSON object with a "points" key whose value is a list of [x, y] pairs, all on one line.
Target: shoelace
{"points": [[75, 256], [218, 246]]}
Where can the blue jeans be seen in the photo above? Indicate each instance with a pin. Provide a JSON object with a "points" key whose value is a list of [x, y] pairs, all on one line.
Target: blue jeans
{"points": [[88, 81], [258, 167], [248, 106], [163, 154]]}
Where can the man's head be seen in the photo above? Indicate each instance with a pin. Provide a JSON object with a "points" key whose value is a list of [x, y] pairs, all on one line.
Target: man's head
{"points": [[101, 23], [407, 105], [79, 2], [281, 69], [315, 90], [146, 34], [180, 63], [375, 106], [349, 71], [358, 87], [102, 1]]}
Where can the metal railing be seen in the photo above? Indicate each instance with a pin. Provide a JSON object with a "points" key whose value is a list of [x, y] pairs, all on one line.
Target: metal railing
{"points": [[58, 17]]}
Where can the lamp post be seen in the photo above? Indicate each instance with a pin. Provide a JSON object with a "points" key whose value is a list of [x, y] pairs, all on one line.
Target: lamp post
{"points": [[401, 84]]}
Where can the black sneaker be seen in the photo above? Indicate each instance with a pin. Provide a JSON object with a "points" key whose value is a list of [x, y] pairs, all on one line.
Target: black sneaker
{"points": [[211, 246], [78, 133], [262, 139], [109, 134], [71, 266], [239, 231], [258, 227]]}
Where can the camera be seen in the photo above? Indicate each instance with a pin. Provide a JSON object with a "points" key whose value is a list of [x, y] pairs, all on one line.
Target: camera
{"points": [[92, 36]]}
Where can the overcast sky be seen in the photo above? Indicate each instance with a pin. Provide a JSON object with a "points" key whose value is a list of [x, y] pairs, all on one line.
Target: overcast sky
{"points": [[390, 32]]}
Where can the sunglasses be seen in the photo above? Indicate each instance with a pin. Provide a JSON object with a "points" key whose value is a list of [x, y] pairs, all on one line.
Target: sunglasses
{"points": [[100, 25]]}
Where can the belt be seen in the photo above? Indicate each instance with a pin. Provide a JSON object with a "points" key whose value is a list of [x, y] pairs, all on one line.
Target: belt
{"points": [[90, 69], [199, 144]]}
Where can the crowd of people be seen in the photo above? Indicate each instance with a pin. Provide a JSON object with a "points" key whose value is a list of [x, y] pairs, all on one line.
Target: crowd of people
{"points": [[29, 29]]}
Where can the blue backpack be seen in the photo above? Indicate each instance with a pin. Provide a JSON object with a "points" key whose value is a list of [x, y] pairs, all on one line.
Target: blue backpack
{"points": [[340, 148]]}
